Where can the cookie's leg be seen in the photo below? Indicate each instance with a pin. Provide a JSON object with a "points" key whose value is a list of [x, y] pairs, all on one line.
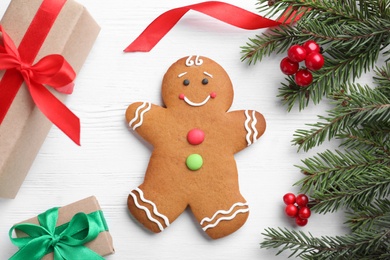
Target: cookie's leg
{"points": [[226, 221], [154, 211], [146, 211], [222, 217]]}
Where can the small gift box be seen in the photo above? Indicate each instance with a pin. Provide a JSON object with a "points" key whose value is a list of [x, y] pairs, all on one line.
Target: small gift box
{"points": [[75, 231], [43, 44]]}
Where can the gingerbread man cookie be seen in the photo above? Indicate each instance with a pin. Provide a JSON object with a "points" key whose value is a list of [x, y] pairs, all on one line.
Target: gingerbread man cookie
{"points": [[194, 140]]}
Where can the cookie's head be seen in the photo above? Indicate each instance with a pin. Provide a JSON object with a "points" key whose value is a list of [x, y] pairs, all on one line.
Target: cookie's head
{"points": [[197, 83]]}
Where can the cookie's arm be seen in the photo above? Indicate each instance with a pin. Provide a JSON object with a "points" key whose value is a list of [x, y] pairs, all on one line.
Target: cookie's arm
{"points": [[141, 117], [248, 126]]}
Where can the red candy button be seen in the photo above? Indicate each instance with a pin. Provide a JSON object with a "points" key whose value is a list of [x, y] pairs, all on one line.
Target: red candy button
{"points": [[195, 136]]}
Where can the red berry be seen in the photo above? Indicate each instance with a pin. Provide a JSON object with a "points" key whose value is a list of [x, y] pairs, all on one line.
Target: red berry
{"points": [[289, 198], [302, 200], [300, 221], [303, 78], [291, 210], [296, 53], [311, 46], [304, 213], [314, 61], [288, 66]]}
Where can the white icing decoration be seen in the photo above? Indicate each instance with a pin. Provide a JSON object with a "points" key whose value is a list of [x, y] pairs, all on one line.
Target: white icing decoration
{"points": [[253, 125], [223, 212], [155, 211], [251, 128], [189, 62], [225, 218], [136, 113], [182, 74], [142, 116], [248, 130], [208, 74], [189, 102], [146, 211], [197, 62]]}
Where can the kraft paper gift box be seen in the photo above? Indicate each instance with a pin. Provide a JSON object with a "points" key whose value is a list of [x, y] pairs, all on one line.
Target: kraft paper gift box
{"points": [[102, 244], [24, 127]]}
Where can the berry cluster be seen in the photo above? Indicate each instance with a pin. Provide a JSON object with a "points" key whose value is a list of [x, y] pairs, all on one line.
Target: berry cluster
{"points": [[310, 52], [296, 207]]}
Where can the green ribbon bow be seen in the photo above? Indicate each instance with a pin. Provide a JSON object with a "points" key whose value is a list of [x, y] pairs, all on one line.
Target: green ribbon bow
{"points": [[66, 241]]}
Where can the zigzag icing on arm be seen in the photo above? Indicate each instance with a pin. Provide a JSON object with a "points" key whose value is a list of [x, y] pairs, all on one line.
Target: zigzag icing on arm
{"points": [[224, 212], [142, 116], [136, 113], [225, 218], [253, 125], [146, 211], [155, 211], [248, 130]]}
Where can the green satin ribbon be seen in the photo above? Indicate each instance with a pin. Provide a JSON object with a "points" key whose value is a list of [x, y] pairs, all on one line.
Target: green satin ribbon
{"points": [[66, 241]]}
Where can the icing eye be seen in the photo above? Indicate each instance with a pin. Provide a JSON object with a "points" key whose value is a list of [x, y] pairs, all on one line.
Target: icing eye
{"points": [[186, 82], [205, 81]]}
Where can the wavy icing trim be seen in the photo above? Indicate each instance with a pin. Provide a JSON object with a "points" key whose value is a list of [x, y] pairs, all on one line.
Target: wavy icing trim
{"points": [[136, 113], [140, 115], [155, 211], [224, 212], [251, 128], [225, 218], [253, 125], [147, 211], [248, 130]]}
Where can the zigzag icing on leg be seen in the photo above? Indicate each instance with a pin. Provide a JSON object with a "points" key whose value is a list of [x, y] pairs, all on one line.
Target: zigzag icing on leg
{"points": [[225, 218], [223, 212], [146, 211], [155, 211]]}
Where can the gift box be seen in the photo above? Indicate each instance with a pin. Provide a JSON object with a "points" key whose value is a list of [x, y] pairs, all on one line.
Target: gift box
{"points": [[75, 223], [60, 27]]}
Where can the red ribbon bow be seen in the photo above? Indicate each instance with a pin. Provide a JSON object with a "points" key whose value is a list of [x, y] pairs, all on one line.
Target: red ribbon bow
{"points": [[52, 70], [224, 12]]}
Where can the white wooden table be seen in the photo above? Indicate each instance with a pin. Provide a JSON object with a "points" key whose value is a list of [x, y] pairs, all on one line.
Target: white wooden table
{"points": [[112, 161]]}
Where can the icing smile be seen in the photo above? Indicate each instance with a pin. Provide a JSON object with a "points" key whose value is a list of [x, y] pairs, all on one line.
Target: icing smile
{"points": [[194, 104]]}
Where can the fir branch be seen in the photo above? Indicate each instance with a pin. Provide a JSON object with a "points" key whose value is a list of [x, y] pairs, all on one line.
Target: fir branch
{"points": [[367, 139], [346, 60], [373, 216], [362, 245], [328, 22], [353, 34], [277, 40], [345, 178], [359, 190], [337, 10], [361, 106], [382, 79]]}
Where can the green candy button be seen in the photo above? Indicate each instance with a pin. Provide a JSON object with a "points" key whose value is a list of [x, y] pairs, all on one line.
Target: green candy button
{"points": [[194, 162]]}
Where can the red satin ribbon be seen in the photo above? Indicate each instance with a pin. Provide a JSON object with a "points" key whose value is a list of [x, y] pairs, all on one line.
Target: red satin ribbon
{"points": [[52, 70], [224, 12]]}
